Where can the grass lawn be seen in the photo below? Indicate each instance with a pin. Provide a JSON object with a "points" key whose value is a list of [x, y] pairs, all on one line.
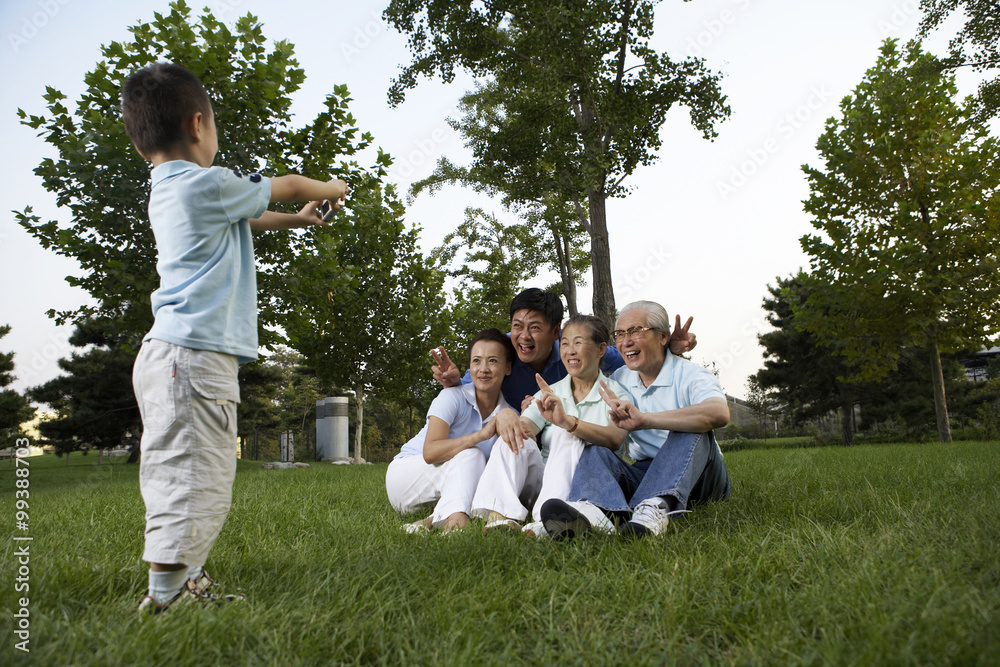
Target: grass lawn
{"points": [[867, 555]]}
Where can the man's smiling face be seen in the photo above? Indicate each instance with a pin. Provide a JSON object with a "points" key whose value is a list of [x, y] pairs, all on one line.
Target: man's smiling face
{"points": [[532, 336]]}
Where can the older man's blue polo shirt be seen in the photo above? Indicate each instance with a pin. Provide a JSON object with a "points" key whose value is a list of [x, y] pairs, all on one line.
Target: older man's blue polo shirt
{"points": [[679, 384]]}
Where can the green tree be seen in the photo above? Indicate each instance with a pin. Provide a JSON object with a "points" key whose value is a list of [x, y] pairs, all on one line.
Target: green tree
{"points": [[977, 44], [806, 376], [260, 386], [93, 398], [760, 401], [573, 97], [104, 182], [904, 398], [909, 254], [15, 409], [993, 368], [362, 304], [497, 261], [551, 228], [300, 388]]}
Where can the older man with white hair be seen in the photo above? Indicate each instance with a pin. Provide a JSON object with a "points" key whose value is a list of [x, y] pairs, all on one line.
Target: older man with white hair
{"points": [[671, 410]]}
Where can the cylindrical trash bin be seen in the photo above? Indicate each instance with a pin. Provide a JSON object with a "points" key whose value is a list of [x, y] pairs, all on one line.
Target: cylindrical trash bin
{"points": [[324, 429], [339, 427]]}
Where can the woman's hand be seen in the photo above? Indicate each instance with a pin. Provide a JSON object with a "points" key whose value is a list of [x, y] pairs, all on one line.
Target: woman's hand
{"points": [[549, 404], [444, 370], [487, 431]]}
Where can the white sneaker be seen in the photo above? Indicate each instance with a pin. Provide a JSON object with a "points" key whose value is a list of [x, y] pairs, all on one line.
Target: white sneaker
{"points": [[417, 527], [650, 517], [535, 529], [501, 522], [568, 519]]}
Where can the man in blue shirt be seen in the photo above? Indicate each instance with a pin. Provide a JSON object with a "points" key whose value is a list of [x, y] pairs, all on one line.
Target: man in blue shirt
{"points": [[671, 410], [535, 323]]}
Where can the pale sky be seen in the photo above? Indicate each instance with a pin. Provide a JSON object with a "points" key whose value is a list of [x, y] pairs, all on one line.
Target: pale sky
{"points": [[703, 231]]}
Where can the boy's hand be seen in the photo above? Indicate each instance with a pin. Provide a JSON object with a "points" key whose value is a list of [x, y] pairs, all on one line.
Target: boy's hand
{"points": [[338, 191], [310, 216]]}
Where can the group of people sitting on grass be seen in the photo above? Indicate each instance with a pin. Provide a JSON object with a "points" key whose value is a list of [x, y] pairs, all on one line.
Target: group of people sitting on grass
{"points": [[605, 438]]}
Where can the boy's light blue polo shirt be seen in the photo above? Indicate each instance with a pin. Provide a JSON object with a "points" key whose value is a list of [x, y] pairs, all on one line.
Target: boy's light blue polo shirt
{"points": [[679, 384], [591, 409], [456, 407], [207, 299]]}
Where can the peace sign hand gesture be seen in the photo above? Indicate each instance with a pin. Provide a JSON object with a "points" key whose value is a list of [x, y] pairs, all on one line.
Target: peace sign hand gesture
{"points": [[444, 370], [623, 413], [549, 404], [681, 340]]}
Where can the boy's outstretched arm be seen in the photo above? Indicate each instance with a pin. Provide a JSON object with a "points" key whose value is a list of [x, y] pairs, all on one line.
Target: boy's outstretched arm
{"points": [[292, 187], [272, 220]]}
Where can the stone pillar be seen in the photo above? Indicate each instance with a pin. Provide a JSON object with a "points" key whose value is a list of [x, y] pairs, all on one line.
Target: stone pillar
{"points": [[287, 447]]}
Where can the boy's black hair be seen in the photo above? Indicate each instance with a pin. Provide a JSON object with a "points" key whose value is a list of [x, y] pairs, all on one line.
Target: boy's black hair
{"points": [[157, 101], [546, 303], [496, 336]]}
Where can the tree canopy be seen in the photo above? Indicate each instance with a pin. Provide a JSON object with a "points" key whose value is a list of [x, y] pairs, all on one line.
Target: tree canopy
{"points": [[572, 101], [357, 299], [14, 408], [93, 398], [362, 304], [977, 44], [907, 207], [806, 376]]}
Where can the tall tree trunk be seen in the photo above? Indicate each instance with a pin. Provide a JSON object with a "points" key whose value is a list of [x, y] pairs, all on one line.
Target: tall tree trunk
{"points": [[846, 415], [359, 401], [134, 451], [600, 256], [847, 424], [940, 402], [566, 274]]}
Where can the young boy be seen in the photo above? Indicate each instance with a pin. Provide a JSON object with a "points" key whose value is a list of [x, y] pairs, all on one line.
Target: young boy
{"points": [[205, 320]]}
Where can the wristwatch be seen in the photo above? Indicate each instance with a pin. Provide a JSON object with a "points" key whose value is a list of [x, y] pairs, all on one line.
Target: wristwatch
{"points": [[570, 430]]}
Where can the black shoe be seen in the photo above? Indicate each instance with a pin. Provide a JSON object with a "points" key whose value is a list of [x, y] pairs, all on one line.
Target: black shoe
{"points": [[562, 520]]}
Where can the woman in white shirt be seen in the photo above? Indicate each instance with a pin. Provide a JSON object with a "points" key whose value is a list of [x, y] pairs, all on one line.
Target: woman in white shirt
{"points": [[569, 414], [443, 462]]}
